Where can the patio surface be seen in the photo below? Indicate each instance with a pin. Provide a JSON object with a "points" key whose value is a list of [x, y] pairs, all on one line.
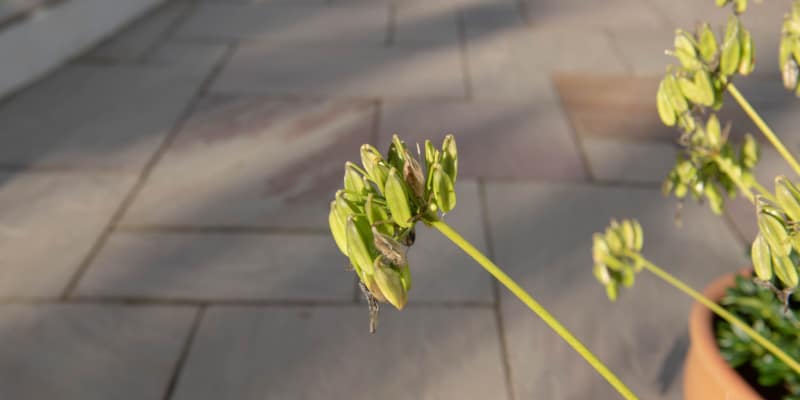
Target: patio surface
{"points": [[164, 199]]}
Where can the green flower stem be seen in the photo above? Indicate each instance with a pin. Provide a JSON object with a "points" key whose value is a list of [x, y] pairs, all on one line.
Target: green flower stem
{"points": [[537, 308], [768, 133], [764, 192], [717, 309], [743, 187]]}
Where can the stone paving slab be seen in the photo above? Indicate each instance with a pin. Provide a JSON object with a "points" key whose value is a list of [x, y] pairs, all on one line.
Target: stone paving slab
{"points": [[629, 161], [360, 72], [102, 116], [48, 224], [441, 271], [426, 23], [515, 66], [593, 14], [89, 352], [252, 161], [495, 140], [482, 21], [290, 24], [327, 353], [542, 237], [136, 41], [642, 51], [210, 266]]}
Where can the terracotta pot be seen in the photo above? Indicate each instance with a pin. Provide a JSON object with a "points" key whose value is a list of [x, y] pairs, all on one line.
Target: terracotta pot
{"points": [[707, 376]]}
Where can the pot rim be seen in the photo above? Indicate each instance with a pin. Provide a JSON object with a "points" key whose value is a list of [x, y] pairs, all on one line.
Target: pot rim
{"points": [[704, 342]]}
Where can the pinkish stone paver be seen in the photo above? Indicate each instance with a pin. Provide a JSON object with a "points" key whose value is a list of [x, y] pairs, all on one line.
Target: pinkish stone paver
{"points": [[249, 161], [495, 140]]}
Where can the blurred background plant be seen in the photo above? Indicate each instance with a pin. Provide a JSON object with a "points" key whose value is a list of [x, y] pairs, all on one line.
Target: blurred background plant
{"points": [[757, 328]]}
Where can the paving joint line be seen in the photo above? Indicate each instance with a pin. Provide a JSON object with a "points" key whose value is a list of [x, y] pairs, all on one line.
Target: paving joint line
{"points": [[576, 138], [184, 354], [189, 302], [169, 33], [145, 174], [466, 76], [497, 307], [219, 229]]}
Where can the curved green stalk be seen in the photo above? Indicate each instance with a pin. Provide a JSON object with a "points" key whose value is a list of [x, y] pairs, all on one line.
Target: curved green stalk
{"points": [[743, 187], [717, 309], [537, 308], [765, 129]]}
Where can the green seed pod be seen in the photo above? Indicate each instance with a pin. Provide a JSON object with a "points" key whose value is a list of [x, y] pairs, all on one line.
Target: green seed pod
{"points": [[628, 234], [665, 109], [748, 61], [749, 152], [789, 73], [788, 197], [412, 174], [378, 216], [430, 155], [775, 234], [359, 244], [731, 48], [612, 291], [722, 3], [370, 156], [762, 258], [638, 235], [785, 270], [450, 157], [614, 240], [337, 226], [392, 251], [405, 277], [785, 50], [719, 94], [372, 286], [602, 274], [707, 43], [713, 132], [674, 94], [715, 199], [353, 181], [740, 6], [599, 248], [685, 50], [390, 283], [690, 90], [702, 81], [687, 122], [444, 191], [628, 277], [397, 199], [397, 151]]}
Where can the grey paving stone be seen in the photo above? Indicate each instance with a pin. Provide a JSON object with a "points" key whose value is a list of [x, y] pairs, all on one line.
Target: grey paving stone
{"points": [[135, 41], [296, 24], [88, 352], [642, 51], [426, 23], [219, 266], [629, 161], [102, 116], [491, 19], [255, 162], [48, 224], [593, 14], [496, 140], [404, 72], [542, 236], [327, 353], [516, 64], [441, 271]]}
